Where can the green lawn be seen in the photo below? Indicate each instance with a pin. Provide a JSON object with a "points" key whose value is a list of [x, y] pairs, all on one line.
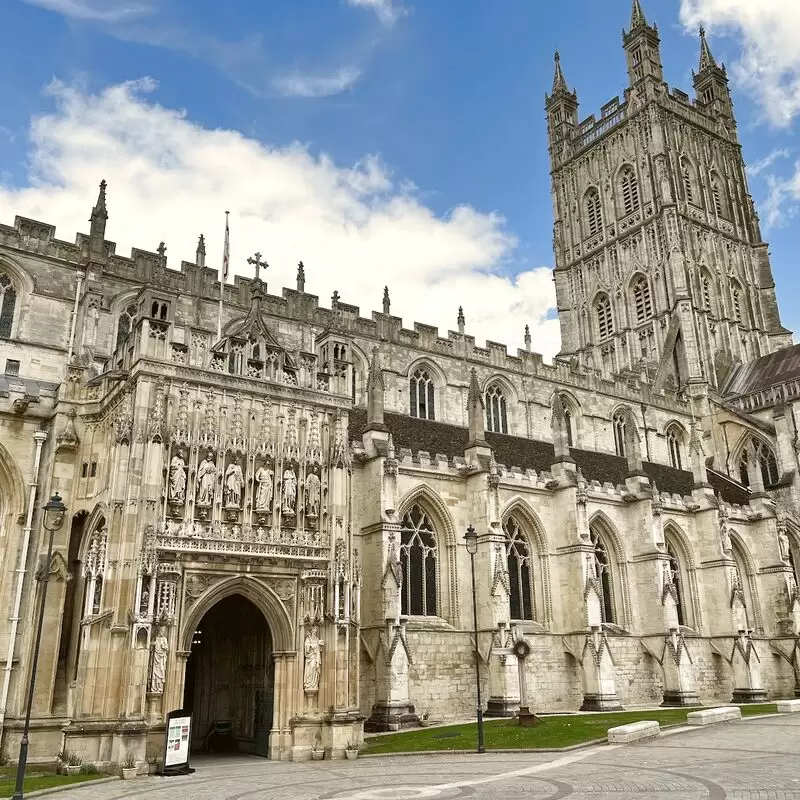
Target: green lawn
{"points": [[39, 777], [552, 731]]}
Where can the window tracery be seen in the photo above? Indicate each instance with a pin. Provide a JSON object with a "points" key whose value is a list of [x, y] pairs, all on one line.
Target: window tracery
{"points": [[642, 301], [422, 395], [602, 572], [674, 444], [8, 302], [418, 563], [520, 572], [496, 410], [629, 187], [594, 214], [605, 320], [125, 324]]}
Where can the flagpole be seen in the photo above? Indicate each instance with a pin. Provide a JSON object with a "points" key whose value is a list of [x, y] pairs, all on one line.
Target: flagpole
{"points": [[224, 275]]}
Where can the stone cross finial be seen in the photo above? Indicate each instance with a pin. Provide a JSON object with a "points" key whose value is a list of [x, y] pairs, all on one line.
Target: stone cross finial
{"points": [[301, 277], [386, 302], [335, 299], [255, 260], [162, 249]]}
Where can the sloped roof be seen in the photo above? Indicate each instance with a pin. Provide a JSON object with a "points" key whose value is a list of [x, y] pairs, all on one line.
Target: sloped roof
{"points": [[778, 367], [515, 451]]}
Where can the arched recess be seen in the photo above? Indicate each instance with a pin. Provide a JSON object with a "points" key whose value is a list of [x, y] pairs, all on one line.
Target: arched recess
{"points": [[22, 285], [747, 570], [753, 445], [358, 389], [677, 439], [258, 593], [678, 542], [628, 194], [12, 497], [794, 551], [120, 306], [641, 297], [509, 393], [447, 575], [613, 541], [416, 372], [573, 416], [533, 528]]}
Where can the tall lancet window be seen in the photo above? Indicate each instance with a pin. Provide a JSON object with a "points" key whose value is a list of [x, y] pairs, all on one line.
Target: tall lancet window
{"points": [[602, 572], [520, 571], [605, 321], [641, 300], [421, 395], [620, 427], [418, 555], [629, 189], [675, 571], [8, 302], [594, 214], [496, 411]]}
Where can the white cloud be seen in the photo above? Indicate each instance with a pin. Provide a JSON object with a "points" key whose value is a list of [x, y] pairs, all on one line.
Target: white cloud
{"points": [[769, 66], [299, 85], [767, 161], [111, 11], [387, 11], [356, 228]]}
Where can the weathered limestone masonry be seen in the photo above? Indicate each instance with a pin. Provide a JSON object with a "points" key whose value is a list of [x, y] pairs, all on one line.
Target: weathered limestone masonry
{"points": [[266, 525]]}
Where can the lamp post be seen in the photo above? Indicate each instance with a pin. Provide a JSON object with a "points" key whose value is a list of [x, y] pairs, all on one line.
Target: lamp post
{"points": [[471, 540], [54, 512]]}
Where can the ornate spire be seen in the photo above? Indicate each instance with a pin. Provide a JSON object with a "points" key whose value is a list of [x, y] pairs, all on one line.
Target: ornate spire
{"points": [[97, 229], [301, 277], [637, 15], [706, 58], [200, 255], [528, 338], [461, 321], [559, 82], [386, 302], [475, 409], [375, 391]]}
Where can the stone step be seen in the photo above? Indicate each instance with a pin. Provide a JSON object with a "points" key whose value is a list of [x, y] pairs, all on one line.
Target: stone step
{"points": [[788, 706], [710, 716], [634, 732]]}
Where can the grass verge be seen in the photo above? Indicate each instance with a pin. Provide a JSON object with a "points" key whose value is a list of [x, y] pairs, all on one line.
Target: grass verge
{"points": [[40, 776], [561, 730]]}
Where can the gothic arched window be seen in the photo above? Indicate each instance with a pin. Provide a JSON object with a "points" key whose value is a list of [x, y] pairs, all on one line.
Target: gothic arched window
{"points": [[520, 571], [594, 214], [496, 411], [717, 195], [705, 285], [642, 301], [605, 320], [8, 301], [602, 572], [629, 189], [421, 394], [125, 324], [674, 443], [418, 554], [620, 426], [677, 582], [568, 426], [736, 297], [768, 464]]}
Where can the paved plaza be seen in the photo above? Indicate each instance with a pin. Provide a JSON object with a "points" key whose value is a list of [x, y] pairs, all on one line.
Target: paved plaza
{"points": [[758, 758]]}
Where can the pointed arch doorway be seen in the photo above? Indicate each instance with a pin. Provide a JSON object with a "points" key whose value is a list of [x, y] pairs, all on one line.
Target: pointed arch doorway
{"points": [[229, 686]]}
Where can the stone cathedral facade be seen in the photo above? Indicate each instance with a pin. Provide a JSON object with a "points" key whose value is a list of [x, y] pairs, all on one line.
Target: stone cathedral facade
{"points": [[266, 521]]}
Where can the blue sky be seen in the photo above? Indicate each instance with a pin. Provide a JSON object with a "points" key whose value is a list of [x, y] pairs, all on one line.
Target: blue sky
{"points": [[416, 128]]}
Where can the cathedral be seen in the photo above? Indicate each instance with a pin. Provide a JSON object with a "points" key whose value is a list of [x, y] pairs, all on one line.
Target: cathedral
{"points": [[267, 497]]}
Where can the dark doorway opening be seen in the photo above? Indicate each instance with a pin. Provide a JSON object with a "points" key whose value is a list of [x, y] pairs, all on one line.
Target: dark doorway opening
{"points": [[230, 680]]}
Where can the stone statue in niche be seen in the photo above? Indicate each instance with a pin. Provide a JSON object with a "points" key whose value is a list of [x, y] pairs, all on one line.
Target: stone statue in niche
{"points": [[177, 478], [725, 538], [144, 601], [289, 491], [783, 544], [234, 483], [313, 666], [264, 479], [206, 478], [158, 667], [312, 495]]}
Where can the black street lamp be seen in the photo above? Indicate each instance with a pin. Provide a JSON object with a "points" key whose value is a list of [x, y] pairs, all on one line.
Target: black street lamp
{"points": [[54, 513], [471, 540]]}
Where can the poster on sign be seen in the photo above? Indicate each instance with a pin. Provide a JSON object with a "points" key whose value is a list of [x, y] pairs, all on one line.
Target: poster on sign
{"points": [[177, 740]]}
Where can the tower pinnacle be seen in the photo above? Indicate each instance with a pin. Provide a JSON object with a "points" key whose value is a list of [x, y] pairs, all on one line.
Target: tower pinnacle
{"points": [[559, 82], [97, 220], [706, 58], [637, 15]]}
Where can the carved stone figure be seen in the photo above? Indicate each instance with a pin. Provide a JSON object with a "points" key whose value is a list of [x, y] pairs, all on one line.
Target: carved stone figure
{"points": [[234, 483], [783, 543], [313, 665], [725, 537], [312, 495], [289, 491], [177, 478], [206, 477], [264, 478], [158, 668]]}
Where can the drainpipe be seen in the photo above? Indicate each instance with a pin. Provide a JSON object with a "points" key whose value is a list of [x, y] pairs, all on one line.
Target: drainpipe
{"points": [[74, 321], [39, 437]]}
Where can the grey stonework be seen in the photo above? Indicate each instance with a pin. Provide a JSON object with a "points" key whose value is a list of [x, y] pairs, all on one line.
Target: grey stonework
{"points": [[316, 470]]}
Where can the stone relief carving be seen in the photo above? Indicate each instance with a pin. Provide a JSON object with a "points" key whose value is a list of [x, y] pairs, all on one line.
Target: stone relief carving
{"points": [[206, 479], [234, 483], [158, 665], [177, 478], [313, 660], [312, 495], [264, 488], [289, 492]]}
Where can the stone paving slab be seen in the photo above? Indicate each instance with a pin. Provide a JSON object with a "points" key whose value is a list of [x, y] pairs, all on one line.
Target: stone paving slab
{"points": [[748, 760]]}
